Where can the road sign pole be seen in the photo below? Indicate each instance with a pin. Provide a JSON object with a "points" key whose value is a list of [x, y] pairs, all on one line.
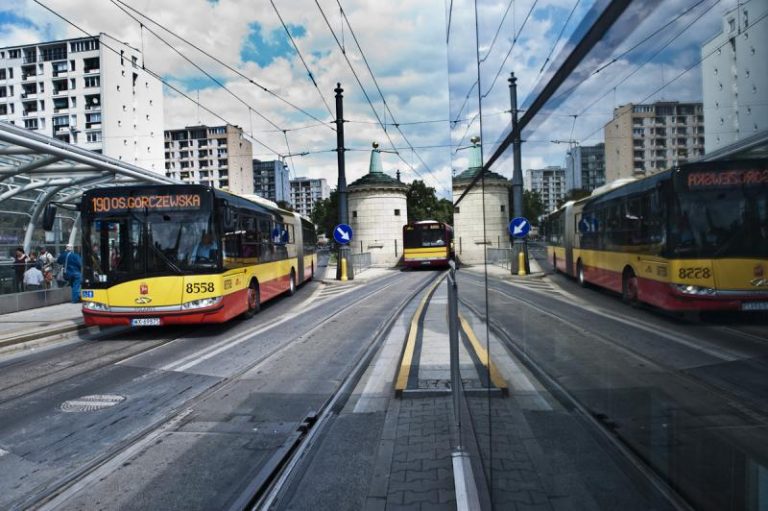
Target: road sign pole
{"points": [[517, 166], [344, 250]]}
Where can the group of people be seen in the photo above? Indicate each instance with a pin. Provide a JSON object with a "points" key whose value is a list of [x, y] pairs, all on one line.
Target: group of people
{"points": [[39, 270]]}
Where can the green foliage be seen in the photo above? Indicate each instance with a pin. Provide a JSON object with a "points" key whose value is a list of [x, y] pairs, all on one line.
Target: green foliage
{"points": [[325, 214], [533, 206], [424, 205]]}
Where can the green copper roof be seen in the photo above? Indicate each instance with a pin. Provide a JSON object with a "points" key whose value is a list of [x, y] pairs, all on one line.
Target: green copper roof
{"points": [[376, 176]]}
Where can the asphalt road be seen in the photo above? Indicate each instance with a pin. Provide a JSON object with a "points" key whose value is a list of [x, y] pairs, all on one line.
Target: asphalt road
{"points": [[195, 412], [688, 398]]}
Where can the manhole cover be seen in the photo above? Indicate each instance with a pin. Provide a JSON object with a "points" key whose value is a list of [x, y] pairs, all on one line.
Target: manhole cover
{"points": [[91, 403]]}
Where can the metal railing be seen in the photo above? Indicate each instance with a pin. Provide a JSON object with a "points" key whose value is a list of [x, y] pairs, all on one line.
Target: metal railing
{"points": [[360, 261], [504, 257]]}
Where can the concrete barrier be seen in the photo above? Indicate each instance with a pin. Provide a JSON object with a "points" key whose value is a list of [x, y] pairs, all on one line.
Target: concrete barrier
{"points": [[34, 299]]}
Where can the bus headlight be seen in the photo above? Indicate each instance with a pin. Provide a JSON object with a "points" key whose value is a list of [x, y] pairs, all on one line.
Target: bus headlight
{"points": [[688, 289], [96, 306], [201, 303]]}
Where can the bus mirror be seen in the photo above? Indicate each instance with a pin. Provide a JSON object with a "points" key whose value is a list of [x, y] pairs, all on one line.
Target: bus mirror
{"points": [[49, 217]]}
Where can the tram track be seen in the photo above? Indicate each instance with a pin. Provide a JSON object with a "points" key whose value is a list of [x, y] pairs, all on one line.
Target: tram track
{"points": [[54, 494]]}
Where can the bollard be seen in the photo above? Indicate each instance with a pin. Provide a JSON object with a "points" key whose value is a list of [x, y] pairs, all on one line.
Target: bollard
{"points": [[521, 263], [343, 263]]}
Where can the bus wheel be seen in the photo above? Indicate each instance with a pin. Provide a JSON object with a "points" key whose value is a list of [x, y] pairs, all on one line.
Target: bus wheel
{"points": [[629, 287], [580, 274], [292, 283], [254, 300]]}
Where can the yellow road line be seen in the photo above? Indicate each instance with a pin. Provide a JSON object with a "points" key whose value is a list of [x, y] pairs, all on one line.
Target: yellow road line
{"points": [[405, 363], [482, 355]]}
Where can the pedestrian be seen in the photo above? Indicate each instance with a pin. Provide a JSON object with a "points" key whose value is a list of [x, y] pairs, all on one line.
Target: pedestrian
{"points": [[46, 261], [33, 278], [19, 266], [72, 265]]}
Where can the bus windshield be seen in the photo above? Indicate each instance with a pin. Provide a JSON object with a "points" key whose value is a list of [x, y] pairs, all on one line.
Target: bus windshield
{"points": [[728, 223], [425, 236], [131, 244]]}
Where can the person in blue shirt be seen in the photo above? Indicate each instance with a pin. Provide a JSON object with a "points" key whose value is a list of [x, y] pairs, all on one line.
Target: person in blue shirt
{"points": [[72, 264]]}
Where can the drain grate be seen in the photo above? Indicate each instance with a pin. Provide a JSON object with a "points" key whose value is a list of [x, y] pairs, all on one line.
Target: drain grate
{"points": [[91, 403]]}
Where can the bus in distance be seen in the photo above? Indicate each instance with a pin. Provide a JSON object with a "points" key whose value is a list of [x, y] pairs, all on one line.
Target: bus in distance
{"points": [[178, 254], [428, 243], [690, 238]]}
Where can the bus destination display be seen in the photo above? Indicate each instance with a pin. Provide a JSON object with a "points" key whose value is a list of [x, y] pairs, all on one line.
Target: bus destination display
{"points": [[152, 202], [727, 179]]}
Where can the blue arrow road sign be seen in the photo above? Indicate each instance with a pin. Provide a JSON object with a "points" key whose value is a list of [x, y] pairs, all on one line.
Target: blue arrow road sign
{"points": [[519, 227], [342, 234]]}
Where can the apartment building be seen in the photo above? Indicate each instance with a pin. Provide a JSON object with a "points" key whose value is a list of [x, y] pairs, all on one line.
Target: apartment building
{"points": [[305, 192], [271, 180], [217, 156], [735, 77], [585, 167], [90, 92], [644, 139], [549, 183]]}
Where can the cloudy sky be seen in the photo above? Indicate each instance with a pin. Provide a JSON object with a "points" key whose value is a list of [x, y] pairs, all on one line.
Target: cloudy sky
{"points": [[427, 73]]}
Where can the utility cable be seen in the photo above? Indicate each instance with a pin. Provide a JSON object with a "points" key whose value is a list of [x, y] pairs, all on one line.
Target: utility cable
{"points": [[496, 35], [227, 66], [153, 74], [560, 36], [301, 57]]}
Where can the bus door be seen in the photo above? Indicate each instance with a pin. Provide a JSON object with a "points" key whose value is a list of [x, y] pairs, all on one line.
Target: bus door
{"points": [[298, 233], [568, 237]]}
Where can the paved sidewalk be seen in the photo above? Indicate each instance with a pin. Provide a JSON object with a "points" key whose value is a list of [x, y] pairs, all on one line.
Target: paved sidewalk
{"points": [[19, 330]]}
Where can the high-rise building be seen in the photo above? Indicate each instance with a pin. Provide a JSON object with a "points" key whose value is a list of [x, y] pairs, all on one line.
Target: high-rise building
{"points": [[217, 156], [549, 183], [735, 77], [641, 140], [305, 192], [90, 92], [585, 167], [271, 180]]}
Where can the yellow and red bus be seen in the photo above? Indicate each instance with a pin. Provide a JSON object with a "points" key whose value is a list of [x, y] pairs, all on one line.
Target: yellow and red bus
{"points": [[428, 243], [179, 254], [690, 238]]}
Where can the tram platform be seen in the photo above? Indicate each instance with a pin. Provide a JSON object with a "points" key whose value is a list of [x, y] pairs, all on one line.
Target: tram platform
{"points": [[26, 329]]}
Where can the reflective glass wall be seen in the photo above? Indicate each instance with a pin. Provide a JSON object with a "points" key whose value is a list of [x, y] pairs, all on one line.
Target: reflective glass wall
{"points": [[626, 368]]}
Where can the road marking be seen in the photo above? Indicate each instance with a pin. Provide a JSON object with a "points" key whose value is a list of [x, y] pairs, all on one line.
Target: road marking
{"points": [[483, 356]]}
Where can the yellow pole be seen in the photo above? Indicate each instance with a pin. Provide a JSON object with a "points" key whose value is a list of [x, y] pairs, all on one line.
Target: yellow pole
{"points": [[521, 263], [343, 268]]}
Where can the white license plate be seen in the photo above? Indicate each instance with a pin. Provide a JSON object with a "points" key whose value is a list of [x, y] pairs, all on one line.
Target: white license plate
{"points": [[754, 306], [145, 322]]}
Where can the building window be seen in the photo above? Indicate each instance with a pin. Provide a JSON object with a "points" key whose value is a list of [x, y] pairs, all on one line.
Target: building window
{"points": [[93, 136], [502, 208], [92, 81], [354, 214], [397, 212]]}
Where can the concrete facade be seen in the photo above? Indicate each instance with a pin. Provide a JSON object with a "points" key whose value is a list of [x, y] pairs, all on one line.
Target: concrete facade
{"points": [[378, 210], [642, 140], [83, 92], [305, 192], [218, 156], [549, 183], [735, 77], [271, 180], [585, 167], [468, 218]]}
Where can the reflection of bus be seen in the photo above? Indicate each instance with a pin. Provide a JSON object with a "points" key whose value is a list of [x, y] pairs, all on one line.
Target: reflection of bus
{"points": [[427, 243], [156, 255], [690, 238]]}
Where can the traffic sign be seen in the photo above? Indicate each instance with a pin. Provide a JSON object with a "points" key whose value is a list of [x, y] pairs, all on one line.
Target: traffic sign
{"points": [[519, 227], [342, 234]]}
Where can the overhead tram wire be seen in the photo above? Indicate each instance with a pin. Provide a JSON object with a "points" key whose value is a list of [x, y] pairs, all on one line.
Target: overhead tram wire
{"points": [[381, 94], [367, 97], [560, 36], [686, 70], [630, 50], [154, 75], [498, 30], [228, 67], [514, 42], [206, 73], [301, 57]]}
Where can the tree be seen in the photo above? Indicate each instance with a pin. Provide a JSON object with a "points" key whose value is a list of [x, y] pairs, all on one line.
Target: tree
{"points": [[533, 206], [325, 214], [424, 205], [575, 194]]}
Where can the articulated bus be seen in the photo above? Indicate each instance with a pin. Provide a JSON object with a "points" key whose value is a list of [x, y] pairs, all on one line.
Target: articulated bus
{"points": [[427, 244], [691, 238], [180, 254]]}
